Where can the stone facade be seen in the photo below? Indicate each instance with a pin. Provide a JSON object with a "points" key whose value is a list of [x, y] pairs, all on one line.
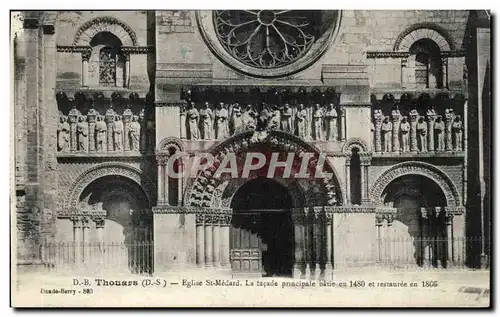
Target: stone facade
{"points": [[397, 100]]}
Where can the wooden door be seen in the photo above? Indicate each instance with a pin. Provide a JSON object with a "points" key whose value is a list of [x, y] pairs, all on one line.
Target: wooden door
{"points": [[246, 244]]}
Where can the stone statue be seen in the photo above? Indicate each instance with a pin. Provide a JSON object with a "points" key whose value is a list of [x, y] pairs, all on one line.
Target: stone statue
{"points": [[422, 134], [404, 127], [386, 134], [135, 133], [248, 118], [331, 123], [63, 135], [221, 116], [101, 129], [236, 120], [264, 117], [206, 118], [439, 132], [192, 119], [82, 130], [286, 119], [118, 133], [456, 129], [301, 118], [274, 121], [318, 122]]}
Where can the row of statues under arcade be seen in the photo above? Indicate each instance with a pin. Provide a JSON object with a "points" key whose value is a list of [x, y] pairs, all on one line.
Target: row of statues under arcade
{"points": [[111, 132], [309, 122], [418, 133]]}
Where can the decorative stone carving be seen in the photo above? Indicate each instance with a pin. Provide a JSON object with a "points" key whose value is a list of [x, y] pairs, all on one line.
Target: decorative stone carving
{"points": [[331, 123], [193, 122], [274, 120], [74, 114], [206, 118], [386, 131], [100, 132], [422, 134], [318, 122], [301, 122], [415, 168], [286, 119], [378, 117], [414, 115], [118, 133], [396, 117], [439, 131], [431, 116], [449, 115], [456, 129], [63, 137], [221, 124], [249, 118], [83, 134], [110, 121], [404, 128], [236, 122], [135, 134], [91, 118], [127, 119]]}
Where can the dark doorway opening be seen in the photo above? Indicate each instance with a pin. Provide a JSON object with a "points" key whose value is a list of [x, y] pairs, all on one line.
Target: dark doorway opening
{"points": [[262, 240]]}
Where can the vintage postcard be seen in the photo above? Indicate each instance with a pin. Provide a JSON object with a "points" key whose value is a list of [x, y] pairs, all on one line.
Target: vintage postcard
{"points": [[251, 158]]}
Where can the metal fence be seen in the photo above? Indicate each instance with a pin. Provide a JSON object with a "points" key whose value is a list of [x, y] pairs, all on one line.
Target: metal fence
{"points": [[407, 253]]}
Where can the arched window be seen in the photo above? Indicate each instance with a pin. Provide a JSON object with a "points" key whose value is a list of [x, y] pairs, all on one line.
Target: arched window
{"points": [[107, 63], [107, 66], [428, 66], [355, 177]]}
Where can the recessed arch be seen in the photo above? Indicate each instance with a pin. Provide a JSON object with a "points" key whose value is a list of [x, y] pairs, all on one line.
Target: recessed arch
{"points": [[91, 28], [416, 168], [170, 142], [107, 169], [424, 31], [353, 143]]}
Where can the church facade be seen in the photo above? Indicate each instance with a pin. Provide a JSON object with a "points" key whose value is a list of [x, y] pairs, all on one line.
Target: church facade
{"points": [[395, 105]]}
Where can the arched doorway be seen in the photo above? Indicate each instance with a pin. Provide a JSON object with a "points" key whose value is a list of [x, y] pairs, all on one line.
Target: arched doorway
{"points": [[261, 237], [124, 240], [414, 240]]}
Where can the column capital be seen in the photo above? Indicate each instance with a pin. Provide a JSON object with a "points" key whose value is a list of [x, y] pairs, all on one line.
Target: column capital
{"points": [[455, 210], [86, 53], [424, 213], [161, 158], [85, 222], [298, 215], [77, 221], [99, 222], [414, 115]]}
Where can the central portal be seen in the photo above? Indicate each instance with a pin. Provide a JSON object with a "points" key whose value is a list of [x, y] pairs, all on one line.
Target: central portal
{"points": [[262, 240]]}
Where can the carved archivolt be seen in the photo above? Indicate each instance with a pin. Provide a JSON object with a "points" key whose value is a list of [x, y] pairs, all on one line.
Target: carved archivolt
{"points": [[105, 24], [107, 169], [424, 31], [170, 142], [353, 143], [201, 192], [416, 168]]}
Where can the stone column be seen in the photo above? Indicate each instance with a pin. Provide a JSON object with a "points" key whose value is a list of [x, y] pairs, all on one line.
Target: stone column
{"points": [[298, 218], [379, 222], [309, 243], [343, 124], [444, 63], [449, 239], [110, 119], [348, 180], [395, 132], [127, 118], [378, 134], [365, 163], [329, 243], [426, 248], [224, 240], [413, 131], [182, 118], [85, 66], [99, 225], [180, 182], [390, 219], [91, 117], [317, 239], [200, 240], [216, 241], [73, 120], [430, 132], [160, 163], [126, 79], [208, 241], [440, 250], [85, 236], [77, 239]]}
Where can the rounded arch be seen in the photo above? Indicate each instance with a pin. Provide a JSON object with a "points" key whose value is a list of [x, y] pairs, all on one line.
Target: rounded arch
{"points": [[108, 169], [416, 168], [201, 191], [170, 142], [424, 31], [355, 143], [105, 24]]}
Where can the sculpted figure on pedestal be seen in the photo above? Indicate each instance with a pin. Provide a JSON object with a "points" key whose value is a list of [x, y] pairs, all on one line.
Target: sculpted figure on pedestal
{"points": [[301, 119], [439, 132], [386, 134], [274, 121], [405, 134], [192, 117], [118, 133], [82, 130], [318, 122], [248, 118], [236, 120], [101, 129], [135, 133], [221, 127], [286, 119], [331, 122], [422, 134], [206, 117], [63, 135], [457, 128]]}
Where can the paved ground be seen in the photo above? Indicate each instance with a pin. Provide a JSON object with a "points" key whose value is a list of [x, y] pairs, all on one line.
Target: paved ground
{"points": [[368, 289]]}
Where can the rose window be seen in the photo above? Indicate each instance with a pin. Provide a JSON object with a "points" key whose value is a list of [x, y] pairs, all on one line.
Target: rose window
{"points": [[268, 38]]}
